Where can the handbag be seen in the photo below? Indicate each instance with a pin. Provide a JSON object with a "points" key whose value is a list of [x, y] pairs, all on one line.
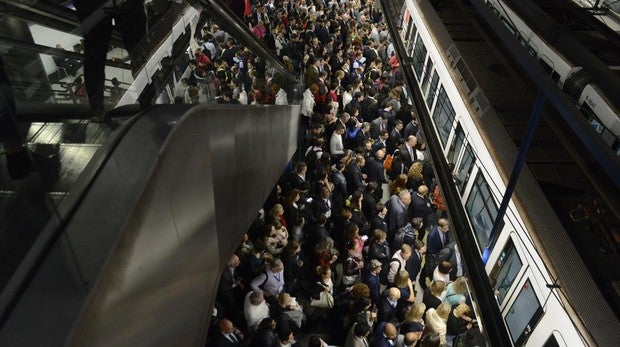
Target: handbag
{"points": [[326, 300]]}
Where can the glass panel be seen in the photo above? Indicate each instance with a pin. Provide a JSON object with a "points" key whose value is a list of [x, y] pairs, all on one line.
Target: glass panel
{"points": [[482, 211], [427, 73], [457, 144], [505, 270], [523, 314], [443, 116], [419, 56], [465, 168], [430, 95]]}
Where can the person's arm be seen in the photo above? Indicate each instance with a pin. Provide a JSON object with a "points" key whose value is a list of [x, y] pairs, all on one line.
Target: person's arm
{"points": [[411, 297]]}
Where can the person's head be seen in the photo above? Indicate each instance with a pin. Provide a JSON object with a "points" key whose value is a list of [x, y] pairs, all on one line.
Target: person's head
{"points": [[422, 190], [226, 326], [415, 312], [419, 246], [401, 279], [292, 248], [375, 266], [405, 197], [443, 310], [462, 310], [284, 300], [324, 271], [380, 154], [276, 265], [459, 286], [315, 341], [393, 293], [405, 251], [360, 290], [389, 331], [256, 298], [412, 141], [361, 330], [444, 225], [415, 171], [444, 267], [437, 287], [430, 340], [381, 210], [285, 334], [234, 261], [399, 125], [301, 168], [276, 211], [411, 338]]}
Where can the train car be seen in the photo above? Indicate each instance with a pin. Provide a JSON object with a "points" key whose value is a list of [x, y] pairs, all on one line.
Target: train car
{"points": [[597, 109], [535, 311]]}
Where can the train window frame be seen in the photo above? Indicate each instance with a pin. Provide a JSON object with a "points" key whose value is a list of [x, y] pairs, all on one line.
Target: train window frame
{"points": [[453, 152], [429, 67], [462, 180], [481, 226], [510, 249], [431, 93], [443, 116], [517, 301], [419, 57]]}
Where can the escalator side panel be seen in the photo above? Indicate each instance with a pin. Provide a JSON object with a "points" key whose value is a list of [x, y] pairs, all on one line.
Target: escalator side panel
{"points": [[214, 173]]}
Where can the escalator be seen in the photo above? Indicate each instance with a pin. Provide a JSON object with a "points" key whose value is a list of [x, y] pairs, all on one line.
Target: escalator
{"points": [[129, 226]]}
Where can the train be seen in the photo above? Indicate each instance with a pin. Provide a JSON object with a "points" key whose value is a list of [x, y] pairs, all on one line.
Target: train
{"points": [[526, 262], [574, 81]]}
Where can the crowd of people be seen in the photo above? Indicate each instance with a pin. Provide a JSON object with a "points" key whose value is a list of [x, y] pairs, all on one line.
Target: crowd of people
{"points": [[358, 224]]}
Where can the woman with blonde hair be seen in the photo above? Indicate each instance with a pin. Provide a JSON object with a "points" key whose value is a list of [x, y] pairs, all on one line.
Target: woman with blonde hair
{"points": [[459, 321], [414, 321], [433, 295], [437, 320], [456, 291], [415, 178], [404, 284]]}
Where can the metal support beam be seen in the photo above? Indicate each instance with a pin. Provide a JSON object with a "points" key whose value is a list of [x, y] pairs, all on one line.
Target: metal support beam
{"points": [[516, 170]]}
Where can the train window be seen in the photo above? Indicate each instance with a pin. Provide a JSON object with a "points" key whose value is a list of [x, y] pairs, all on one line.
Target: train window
{"points": [[430, 95], [427, 73], [409, 28], [412, 32], [468, 78], [524, 314], [465, 168], [482, 210], [548, 69], [509, 26], [443, 115], [505, 271], [457, 143], [419, 56]]}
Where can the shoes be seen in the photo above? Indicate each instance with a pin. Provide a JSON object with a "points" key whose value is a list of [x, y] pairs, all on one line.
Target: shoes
{"points": [[98, 114]]}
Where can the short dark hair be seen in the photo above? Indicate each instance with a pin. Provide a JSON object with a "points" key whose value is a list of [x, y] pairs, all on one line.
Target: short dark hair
{"points": [[361, 329]]}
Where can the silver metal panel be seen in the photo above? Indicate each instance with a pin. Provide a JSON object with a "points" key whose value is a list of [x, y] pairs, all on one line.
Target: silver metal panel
{"points": [[214, 173]]}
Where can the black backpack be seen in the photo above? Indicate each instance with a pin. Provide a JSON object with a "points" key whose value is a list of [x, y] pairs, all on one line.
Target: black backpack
{"points": [[385, 270], [404, 234]]}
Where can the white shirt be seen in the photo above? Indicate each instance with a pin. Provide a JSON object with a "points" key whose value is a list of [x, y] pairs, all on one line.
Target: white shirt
{"points": [[254, 314], [335, 144], [281, 97], [307, 105]]}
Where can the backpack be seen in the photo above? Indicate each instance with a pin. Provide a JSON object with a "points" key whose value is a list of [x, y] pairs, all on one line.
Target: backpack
{"points": [[405, 234], [385, 270], [387, 163]]}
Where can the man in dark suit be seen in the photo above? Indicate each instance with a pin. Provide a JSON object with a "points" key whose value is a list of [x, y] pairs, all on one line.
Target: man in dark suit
{"points": [[395, 138], [397, 213], [374, 168], [411, 128], [362, 135], [355, 177], [377, 221], [228, 54], [385, 335], [421, 207], [228, 336], [437, 239], [414, 263], [386, 307], [378, 125], [230, 289], [323, 204], [407, 151]]}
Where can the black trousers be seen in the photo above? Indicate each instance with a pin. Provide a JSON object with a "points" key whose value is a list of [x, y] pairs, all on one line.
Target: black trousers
{"points": [[129, 18]]}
